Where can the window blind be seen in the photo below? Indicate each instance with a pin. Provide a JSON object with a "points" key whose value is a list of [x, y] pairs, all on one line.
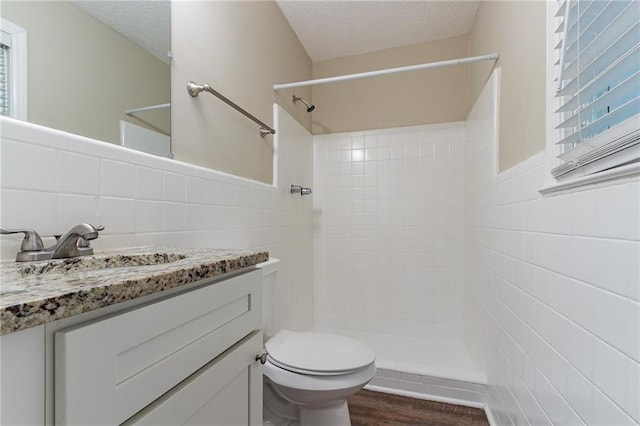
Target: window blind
{"points": [[5, 77], [598, 82]]}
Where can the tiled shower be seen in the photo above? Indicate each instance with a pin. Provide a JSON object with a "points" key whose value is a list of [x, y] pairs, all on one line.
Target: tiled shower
{"points": [[388, 247], [388, 240]]}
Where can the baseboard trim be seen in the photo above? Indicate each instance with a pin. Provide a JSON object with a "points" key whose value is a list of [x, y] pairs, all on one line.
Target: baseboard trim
{"points": [[490, 416]]}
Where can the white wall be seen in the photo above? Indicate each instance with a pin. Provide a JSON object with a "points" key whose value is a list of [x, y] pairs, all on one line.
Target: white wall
{"points": [[388, 231], [146, 200], [555, 283], [438, 95], [505, 27], [240, 48]]}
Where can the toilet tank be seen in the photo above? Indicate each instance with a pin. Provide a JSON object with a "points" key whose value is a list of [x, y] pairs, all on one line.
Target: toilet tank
{"points": [[269, 276]]}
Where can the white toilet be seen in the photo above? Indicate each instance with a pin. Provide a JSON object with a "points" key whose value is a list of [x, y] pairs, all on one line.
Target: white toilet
{"points": [[308, 376]]}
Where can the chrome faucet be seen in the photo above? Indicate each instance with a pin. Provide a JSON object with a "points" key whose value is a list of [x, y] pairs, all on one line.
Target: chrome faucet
{"points": [[74, 243], [67, 246]]}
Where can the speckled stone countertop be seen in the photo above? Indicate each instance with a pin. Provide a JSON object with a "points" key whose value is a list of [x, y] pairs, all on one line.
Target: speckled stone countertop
{"points": [[34, 293]]}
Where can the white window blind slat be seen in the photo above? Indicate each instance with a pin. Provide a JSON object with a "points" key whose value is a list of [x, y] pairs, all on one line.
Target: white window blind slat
{"points": [[599, 125], [599, 82], [619, 95], [571, 31], [591, 70], [590, 25], [623, 135], [626, 66], [559, 28], [622, 33], [602, 24], [561, 9], [621, 145]]}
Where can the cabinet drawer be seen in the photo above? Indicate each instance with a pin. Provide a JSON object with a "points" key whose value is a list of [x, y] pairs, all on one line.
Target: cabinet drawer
{"points": [[225, 392], [109, 369]]}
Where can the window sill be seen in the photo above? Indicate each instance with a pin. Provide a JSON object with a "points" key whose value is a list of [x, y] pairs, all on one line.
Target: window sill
{"points": [[620, 172]]}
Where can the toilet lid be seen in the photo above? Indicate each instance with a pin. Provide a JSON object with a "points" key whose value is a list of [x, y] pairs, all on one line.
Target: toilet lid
{"points": [[318, 353]]}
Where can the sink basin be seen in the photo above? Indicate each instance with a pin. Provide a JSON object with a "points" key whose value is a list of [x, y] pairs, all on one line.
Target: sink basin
{"points": [[93, 263]]}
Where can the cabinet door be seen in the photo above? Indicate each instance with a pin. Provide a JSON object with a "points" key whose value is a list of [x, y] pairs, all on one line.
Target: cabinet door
{"points": [[225, 392], [22, 372], [108, 370]]}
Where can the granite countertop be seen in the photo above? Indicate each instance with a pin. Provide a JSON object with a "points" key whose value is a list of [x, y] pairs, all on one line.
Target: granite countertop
{"points": [[34, 293]]}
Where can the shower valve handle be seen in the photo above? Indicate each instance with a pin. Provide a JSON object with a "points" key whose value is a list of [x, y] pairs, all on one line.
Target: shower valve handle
{"points": [[297, 189]]}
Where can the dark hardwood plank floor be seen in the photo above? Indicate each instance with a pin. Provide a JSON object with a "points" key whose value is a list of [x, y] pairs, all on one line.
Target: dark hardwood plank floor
{"points": [[369, 408]]}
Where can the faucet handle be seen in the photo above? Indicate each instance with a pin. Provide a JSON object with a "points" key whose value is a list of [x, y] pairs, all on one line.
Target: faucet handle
{"points": [[84, 247], [31, 241]]}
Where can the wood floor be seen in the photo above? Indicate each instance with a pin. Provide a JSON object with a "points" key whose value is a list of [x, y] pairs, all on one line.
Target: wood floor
{"points": [[369, 408]]}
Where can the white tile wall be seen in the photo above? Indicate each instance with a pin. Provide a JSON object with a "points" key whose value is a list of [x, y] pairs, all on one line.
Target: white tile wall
{"points": [[77, 173], [388, 221], [147, 200], [115, 179], [552, 285]]}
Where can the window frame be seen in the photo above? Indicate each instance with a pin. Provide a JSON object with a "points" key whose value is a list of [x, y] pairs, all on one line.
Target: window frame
{"points": [[588, 174], [18, 64]]}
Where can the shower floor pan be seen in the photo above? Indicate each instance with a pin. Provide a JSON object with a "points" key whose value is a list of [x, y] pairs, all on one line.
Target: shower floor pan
{"points": [[442, 369]]}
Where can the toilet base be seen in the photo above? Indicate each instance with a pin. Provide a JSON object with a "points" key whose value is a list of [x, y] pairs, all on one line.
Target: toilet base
{"points": [[277, 411], [333, 415]]}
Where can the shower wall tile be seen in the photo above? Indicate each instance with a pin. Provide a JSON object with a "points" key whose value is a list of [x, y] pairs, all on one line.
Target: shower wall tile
{"points": [[388, 230], [147, 200], [551, 289]]}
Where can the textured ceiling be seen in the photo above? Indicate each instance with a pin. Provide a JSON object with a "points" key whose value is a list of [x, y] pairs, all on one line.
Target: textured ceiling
{"points": [[145, 22], [326, 29], [331, 29]]}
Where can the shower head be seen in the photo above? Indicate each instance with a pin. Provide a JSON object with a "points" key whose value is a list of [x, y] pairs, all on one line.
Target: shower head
{"points": [[310, 107]]}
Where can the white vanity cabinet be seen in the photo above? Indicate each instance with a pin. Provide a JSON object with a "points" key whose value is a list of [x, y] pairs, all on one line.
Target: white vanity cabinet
{"points": [[184, 358]]}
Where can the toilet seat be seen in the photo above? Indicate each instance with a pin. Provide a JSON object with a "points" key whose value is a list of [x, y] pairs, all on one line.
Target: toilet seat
{"points": [[318, 354], [300, 384]]}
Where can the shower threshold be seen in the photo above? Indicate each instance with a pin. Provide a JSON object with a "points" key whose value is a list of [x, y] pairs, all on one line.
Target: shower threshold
{"points": [[442, 369]]}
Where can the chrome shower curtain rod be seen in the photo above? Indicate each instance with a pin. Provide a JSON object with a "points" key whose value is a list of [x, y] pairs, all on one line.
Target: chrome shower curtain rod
{"points": [[493, 56]]}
